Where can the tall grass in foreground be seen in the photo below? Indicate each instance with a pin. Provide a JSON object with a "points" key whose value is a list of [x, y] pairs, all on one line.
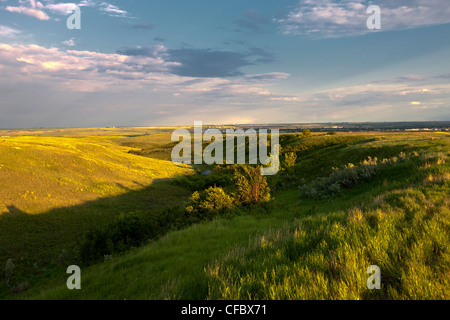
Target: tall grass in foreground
{"points": [[405, 232]]}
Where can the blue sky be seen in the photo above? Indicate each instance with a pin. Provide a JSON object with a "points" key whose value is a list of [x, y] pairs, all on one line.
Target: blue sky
{"points": [[171, 62]]}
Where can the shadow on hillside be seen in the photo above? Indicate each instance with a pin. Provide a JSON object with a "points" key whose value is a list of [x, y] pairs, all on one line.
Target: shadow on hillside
{"points": [[40, 238], [14, 211]]}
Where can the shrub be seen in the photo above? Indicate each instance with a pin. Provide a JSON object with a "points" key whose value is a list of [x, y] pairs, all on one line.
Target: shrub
{"points": [[306, 133], [289, 159], [94, 245], [130, 230], [214, 200], [345, 177], [251, 186]]}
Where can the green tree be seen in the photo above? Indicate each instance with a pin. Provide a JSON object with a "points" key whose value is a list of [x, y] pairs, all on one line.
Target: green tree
{"points": [[289, 159], [251, 185], [214, 199], [306, 133]]}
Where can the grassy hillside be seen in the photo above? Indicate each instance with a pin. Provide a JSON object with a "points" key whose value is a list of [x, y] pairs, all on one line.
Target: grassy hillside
{"points": [[313, 248], [42, 173], [53, 189]]}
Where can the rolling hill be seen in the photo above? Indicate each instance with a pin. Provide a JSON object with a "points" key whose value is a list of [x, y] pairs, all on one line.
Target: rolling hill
{"points": [[298, 247]]}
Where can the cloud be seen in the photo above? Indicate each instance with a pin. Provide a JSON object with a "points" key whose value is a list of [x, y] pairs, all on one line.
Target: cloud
{"points": [[389, 99], [70, 42], [266, 77], [145, 26], [8, 32], [60, 8], [255, 17], [416, 79], [252, 20], [106, 8], [332, 18], [152, 51], [205, 62], [86, 66], [262, 55], [112, 10], [36, 13], [39, 11], [54, 87], [87, 3]]}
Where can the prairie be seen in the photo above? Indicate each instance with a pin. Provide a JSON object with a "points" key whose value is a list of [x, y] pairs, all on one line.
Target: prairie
{"points": [[55, 188], [299, 246]]}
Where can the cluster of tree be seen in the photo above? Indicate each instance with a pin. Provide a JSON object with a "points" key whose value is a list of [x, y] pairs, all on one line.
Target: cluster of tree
{"points": [[251, 189]]}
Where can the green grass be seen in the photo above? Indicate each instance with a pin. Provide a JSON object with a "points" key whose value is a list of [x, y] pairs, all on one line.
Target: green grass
{"points": [[42, 173], [325, 256], [401, 223], [53, 189], [170, 268], [299, 249]]}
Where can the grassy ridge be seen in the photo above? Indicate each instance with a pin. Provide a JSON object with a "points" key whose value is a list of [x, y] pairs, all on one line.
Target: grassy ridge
{"points": [[314, 249]]}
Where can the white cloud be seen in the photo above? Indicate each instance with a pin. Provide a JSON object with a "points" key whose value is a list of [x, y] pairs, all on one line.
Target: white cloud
{"points": [[112, 10], [53, 87], [332, 18], [37, 60], [105, 7], [60, 8], [36, 13], [70, 42], [8, 32], [107, 86], [39, 11]]}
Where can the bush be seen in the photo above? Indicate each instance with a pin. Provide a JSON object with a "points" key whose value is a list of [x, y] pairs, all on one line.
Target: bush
{"points": [[130, 230], [214, 200], [251, 186], [306, 133], [289, 159], [345, 178]]}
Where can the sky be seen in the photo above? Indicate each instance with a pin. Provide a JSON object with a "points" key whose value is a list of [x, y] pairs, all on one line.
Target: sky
{"points": [[173, 62]]}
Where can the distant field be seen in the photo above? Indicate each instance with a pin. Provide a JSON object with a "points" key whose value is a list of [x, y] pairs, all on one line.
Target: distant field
{"points": [[55, 188], [111, 131]]}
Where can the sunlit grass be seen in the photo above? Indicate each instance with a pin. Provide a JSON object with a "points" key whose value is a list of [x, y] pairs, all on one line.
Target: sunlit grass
{"points": [[307, 249], [326, 257], [42, 173]]}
